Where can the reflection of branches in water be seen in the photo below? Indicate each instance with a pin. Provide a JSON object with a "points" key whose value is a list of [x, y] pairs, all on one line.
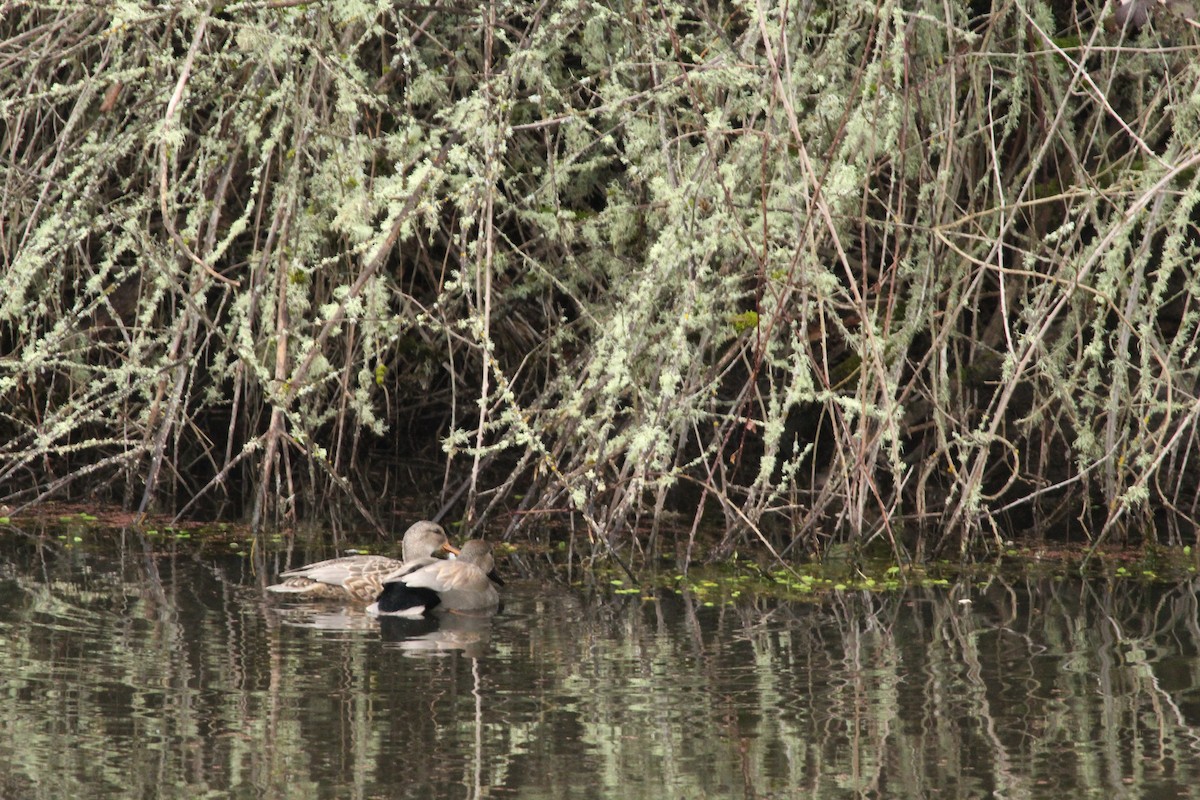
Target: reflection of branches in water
{"points": [[106, 650], [163, 666], [985, 688], [1134, 633], [1060, 648], [477, 786]]}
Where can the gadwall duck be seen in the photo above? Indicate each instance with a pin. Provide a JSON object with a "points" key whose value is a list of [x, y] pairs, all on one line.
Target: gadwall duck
{"points": [[466, 583], [361, 578]]}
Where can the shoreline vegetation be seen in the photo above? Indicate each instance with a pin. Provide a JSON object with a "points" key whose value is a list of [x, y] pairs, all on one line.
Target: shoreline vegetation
{"points": [[819, 277], [736, 580]]}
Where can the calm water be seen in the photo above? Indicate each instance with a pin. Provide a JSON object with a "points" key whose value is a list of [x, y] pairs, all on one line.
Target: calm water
{"points": [[145, 669]]}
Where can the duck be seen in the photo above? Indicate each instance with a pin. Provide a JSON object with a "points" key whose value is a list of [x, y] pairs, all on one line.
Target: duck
{"points": [[466, 583], [361, 578]]}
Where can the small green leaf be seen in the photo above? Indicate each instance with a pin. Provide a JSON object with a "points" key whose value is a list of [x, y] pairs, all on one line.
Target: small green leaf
{"points": [[744, 321]]}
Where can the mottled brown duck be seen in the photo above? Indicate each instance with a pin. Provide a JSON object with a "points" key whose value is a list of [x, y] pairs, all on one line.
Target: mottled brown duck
{"points": [[361, 578]]}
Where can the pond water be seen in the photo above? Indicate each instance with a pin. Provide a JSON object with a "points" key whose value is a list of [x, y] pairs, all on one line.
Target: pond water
{"points": [[144, 668]]}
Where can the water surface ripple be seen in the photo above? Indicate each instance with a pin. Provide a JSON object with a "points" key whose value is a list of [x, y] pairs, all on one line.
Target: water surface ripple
{"points": [[158, 672]]}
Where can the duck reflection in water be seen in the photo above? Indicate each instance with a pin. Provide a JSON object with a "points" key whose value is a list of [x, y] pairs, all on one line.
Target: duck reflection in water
{"points": [[439, 633]]}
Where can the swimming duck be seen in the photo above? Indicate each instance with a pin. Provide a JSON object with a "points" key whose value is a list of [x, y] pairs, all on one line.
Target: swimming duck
{"points": [[467, 583], [361, 578]]}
